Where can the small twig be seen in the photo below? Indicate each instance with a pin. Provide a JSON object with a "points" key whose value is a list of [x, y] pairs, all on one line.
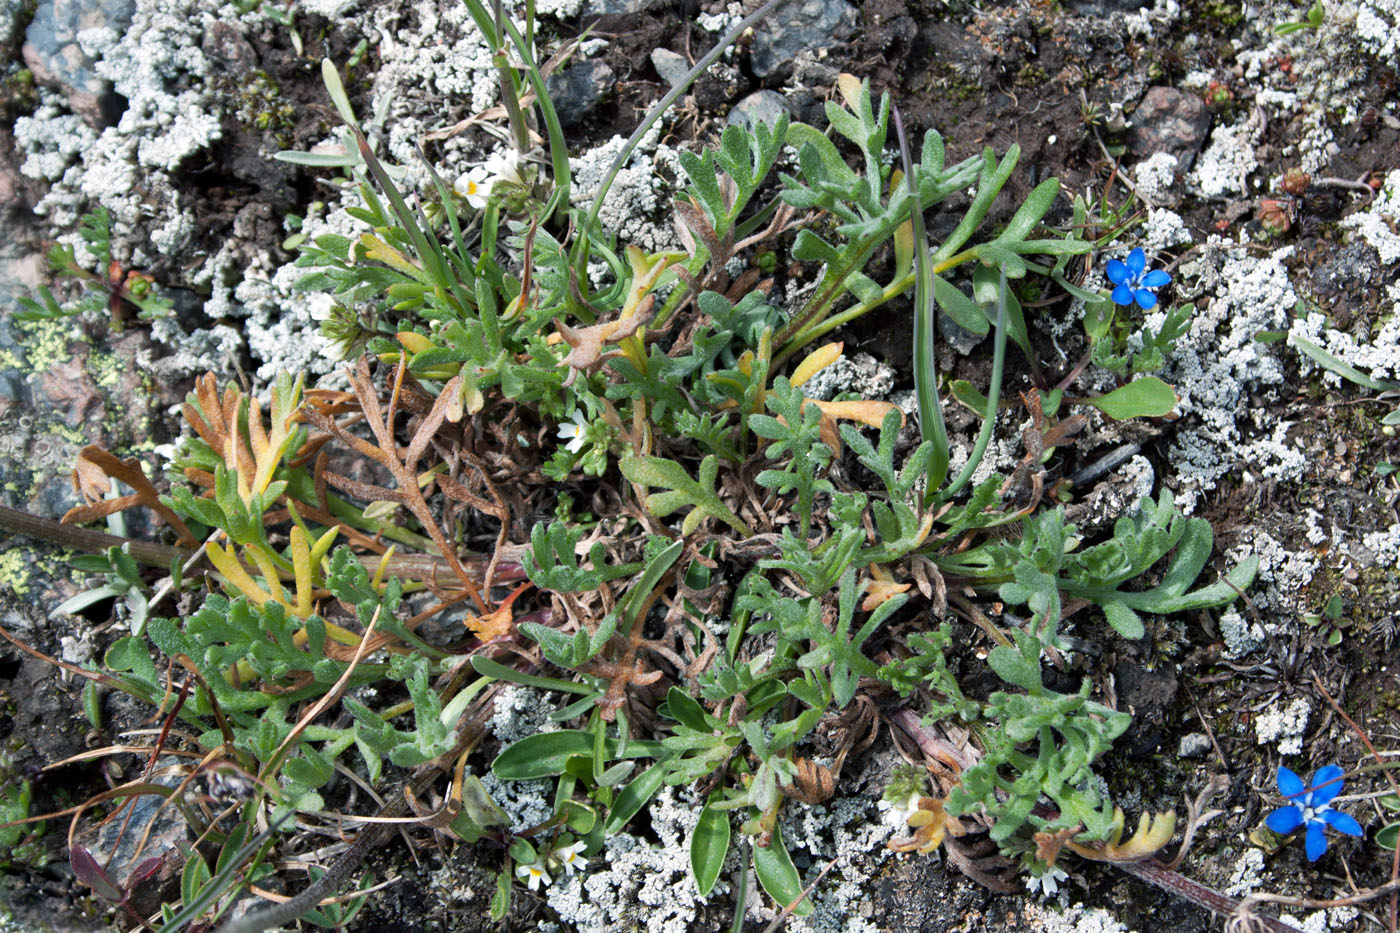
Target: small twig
{"points": [[1154, 872], [1357, 185], [1196, 817]]}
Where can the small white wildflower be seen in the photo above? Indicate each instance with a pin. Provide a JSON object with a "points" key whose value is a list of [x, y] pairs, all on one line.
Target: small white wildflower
{"points": [[504, 166], [535, 874], [475, 186], [576, 432], [1048, 884], [897, 813], [338, 348], [571, 858]]}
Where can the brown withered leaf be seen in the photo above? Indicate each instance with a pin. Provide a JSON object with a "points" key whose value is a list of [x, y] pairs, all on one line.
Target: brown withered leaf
{"points": [[812, 784], [499, 623], [215, 420], [586, 344], [624, 668], [92, 475], [1048, 845], [403, 469]]}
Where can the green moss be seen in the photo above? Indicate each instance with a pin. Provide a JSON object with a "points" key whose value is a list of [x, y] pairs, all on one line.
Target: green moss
{"points": [[260, 105]]}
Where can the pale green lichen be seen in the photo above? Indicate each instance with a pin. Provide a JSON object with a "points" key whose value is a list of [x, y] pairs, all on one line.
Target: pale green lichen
{"points": [[48, 343], [106, 369], [13, 572]]}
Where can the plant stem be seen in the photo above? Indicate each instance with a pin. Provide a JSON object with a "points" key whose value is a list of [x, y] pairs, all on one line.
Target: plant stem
{"points": [[1154, 872]]}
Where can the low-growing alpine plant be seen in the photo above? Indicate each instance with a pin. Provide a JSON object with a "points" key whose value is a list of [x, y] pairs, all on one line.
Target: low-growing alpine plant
{"points": [[621, 490]]}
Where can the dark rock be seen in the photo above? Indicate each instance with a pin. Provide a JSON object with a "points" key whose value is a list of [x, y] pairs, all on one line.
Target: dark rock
{"points": [[671, 66], [51, 51], [808, 24], [226, 47], [760, 106], [1168, 120], [578, 89]]}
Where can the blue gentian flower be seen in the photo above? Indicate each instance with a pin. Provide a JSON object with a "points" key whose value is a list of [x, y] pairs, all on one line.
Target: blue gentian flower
{"points": [[1133, 281], [1311, 807]]}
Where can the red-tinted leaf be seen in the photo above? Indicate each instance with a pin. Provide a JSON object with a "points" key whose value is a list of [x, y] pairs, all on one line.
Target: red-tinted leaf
{"points": [[144, 872], [90, 873]]}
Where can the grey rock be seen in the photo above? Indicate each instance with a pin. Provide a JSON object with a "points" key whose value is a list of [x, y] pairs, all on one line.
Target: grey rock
{"points": [[145, 840], [616, 7], [959, 338], [671, 66], [808, 24], [577, 90], [759, 107], [1168, 120], [1194, 745], [52, 52], [1103, 9]]}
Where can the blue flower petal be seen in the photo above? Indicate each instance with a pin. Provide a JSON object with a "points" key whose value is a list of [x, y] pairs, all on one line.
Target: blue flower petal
{"points": [[1137, 262], [1156, 278], [1117, 272], [1316, 842], [1123, 295], [1145, 299], [1341, 822], [1284, 820], [1319, 795], [1289, 784]]}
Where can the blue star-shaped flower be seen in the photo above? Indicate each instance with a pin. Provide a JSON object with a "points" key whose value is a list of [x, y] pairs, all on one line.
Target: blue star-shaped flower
{"points": [[1133, 281], [1311, 806]]}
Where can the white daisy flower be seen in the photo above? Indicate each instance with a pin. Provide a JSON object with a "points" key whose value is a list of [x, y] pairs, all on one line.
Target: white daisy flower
{"points": [[571, 857], [534, 874], [576, 432], [475, 186]]}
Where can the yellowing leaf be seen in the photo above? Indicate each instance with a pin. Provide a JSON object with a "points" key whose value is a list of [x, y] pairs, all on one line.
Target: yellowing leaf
{"points": [[867, 412], [227, 564], [380, 251], [815, 362], [414, 343], [849, 86]]}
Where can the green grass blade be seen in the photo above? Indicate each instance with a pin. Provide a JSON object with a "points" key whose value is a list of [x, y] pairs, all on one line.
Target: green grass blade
{"points": [[931, 424]]}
